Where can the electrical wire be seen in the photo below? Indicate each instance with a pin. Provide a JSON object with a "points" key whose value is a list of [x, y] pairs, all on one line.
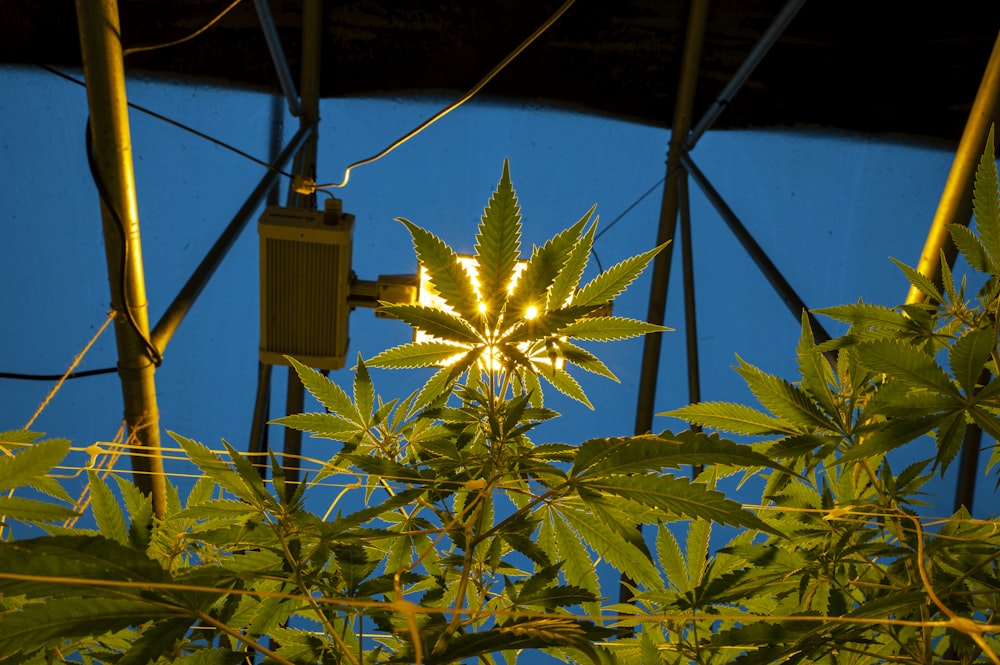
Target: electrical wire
{"points": [[179, 125], [617, 219], [454, 105], [55, 377], [153, 47], [102, 190]]}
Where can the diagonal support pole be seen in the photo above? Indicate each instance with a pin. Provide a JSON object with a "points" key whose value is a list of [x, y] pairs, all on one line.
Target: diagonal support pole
{"points": [[781, 286], [955, 206], [101, 50], [185, 299]]}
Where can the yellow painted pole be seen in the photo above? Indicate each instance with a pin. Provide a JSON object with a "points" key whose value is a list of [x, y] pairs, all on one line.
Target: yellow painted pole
{"points": [[955, 206], [101, 49]]}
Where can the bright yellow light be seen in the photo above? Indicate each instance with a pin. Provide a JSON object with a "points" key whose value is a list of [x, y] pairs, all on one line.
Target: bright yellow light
{"points": [[430, 298]]}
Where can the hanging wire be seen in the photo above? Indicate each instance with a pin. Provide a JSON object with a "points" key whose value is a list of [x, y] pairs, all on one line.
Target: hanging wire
{"points": [[177, 124], [454, 105], [102, 190], [153, 47], [617, 219]]}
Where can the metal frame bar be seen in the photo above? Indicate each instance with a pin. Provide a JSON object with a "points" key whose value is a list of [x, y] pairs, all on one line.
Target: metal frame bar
{"points": [[312, 14], [278, 56], [103, 66], [653, 342], [185, 299], [760, 49], [781, 286], [955, 206]]}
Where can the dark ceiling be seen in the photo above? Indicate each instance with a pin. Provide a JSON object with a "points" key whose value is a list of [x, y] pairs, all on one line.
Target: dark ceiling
{"points": [[894, 67]]}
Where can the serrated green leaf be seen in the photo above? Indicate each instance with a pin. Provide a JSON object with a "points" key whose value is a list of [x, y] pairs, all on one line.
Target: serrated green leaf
{"points": [[671, 560], [653, 452], [32, 510], [214, 657], [223, 472], [364, 393], [566, 384], [87, 558], [569, 277], [968, 357], [444, 379], [577, 567], [42, 624], [140, 511], [107, 512], [448, 278], [950, 434], [326, 392], [781, 398], [584, 359], [18, 437], [610, 283], [920, 281], [971, 247], [890, 436], [30, 462], [986, 200], [498, 245], [325, 425], [436, 323], [817, 374], [238, 512], [728, 417], [543, 270], [608, 328], [417, 354], [866, 315], [696, 558], [622, 555], [907, 364], [678, 497], [156, 640], [546, 324]]}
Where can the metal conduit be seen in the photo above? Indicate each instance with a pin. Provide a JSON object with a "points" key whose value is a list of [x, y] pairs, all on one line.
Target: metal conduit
{"points": [[103, 66]]}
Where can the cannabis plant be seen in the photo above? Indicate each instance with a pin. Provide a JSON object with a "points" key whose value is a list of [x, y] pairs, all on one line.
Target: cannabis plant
{"points": [[864, 577], [452, 536]]}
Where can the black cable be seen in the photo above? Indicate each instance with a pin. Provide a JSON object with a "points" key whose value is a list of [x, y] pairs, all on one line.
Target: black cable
{"points": [[617, 219], [105, 195], [179, 125], [56, 377]]}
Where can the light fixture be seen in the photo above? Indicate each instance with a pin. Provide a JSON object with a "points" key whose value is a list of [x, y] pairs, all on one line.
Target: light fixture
{"points": [[305, 275]]}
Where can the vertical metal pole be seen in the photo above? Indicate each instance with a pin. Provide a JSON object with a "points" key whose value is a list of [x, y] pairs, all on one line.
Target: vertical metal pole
{"points": [[668, 214], [101, 50], [312, 30], [956, 200], [653, 342], [262, 400], [690, 315]]}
